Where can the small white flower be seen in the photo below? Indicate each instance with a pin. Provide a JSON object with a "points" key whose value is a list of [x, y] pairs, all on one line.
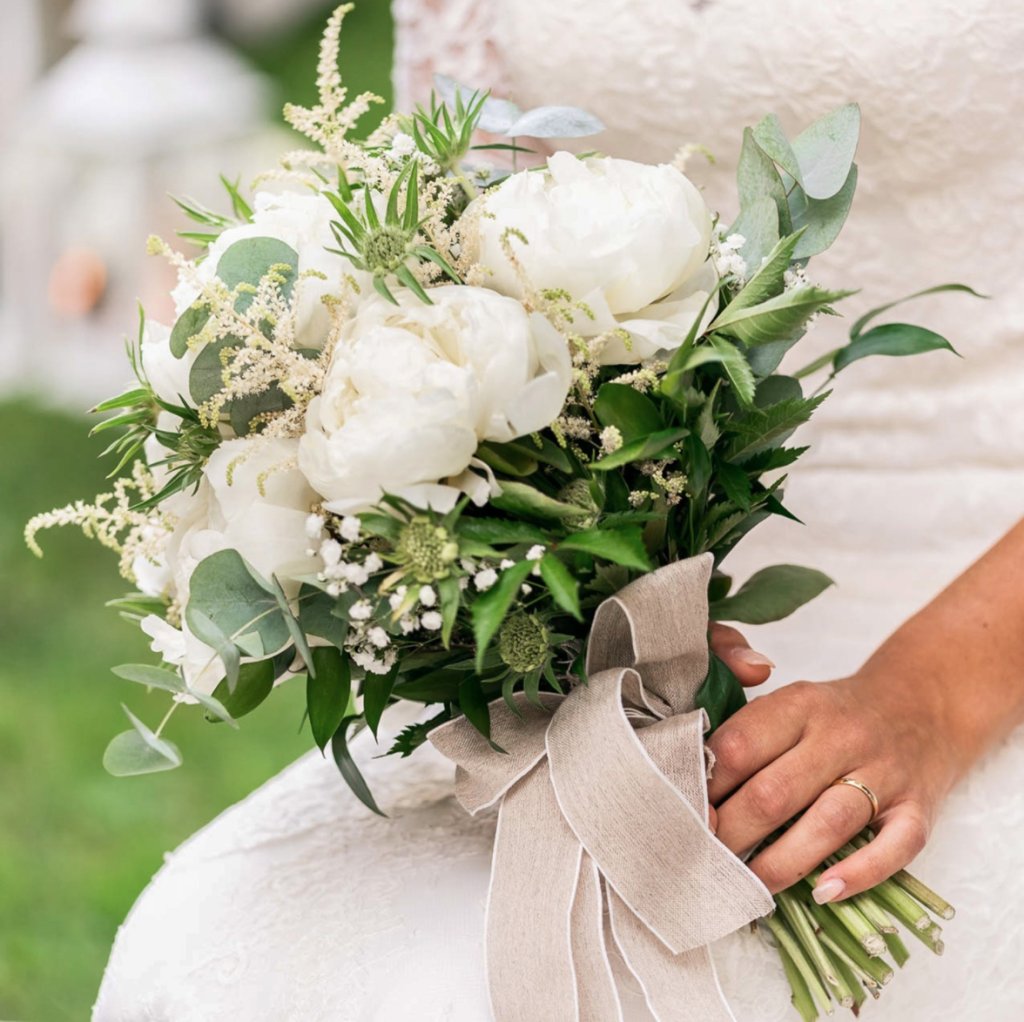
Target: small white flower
{"points": [[361, 611], [506, 563], [403, 145], [535, 553], [330, 551], [427, 596], [314, 526], [378, 637], [611, 439], [526, 589], [735, 241], [396, 598], [408, 623], [355, 573], [350, 526], [467, 565], [483, 580], [373, 563], [336, 589], [365, 659], [432, 621], [463, 584]]}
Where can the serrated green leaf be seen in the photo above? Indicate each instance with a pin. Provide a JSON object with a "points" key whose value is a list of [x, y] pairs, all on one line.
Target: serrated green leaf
{"points": [[698, 465], [653, 446], [736, 484], [762, 429], [348, 769], [771, 594], [777, 318], [769, 279], [741, 376], [490, 609], [620, 546], [892, 339], [563, 587], [500, 530], [412, 737], [328, 693], [634, 414]]}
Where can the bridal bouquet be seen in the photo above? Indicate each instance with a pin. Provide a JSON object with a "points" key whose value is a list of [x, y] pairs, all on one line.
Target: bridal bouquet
{"points": [[418, 417]]}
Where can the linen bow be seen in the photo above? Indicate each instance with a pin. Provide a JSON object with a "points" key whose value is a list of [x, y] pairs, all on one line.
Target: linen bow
{"points": [[603, 802]]}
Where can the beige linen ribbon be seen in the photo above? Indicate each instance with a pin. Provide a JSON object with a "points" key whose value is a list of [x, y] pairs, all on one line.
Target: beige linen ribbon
{"points": [[603, 802]]}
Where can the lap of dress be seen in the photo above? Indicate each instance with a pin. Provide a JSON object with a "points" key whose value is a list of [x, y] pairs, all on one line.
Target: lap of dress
{"points": [[299, 904]]}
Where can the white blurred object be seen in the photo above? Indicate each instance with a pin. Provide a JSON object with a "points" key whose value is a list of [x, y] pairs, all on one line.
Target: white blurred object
{"points": [[253, 18], [142, 106]]}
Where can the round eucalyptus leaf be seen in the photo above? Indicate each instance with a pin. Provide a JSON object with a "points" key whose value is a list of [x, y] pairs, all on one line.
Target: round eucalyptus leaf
{"points": [[248, 261], [556, 122]]}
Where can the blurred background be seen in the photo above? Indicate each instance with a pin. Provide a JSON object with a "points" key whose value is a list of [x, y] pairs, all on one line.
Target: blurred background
{"points": [[105, 107]]}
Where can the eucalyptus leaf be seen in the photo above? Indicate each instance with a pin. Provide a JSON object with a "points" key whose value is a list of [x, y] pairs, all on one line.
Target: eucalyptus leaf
{"points": [[496, 115], [348, 769], [556, 122], [249, 260], [139, 751], [771, 594], [758, 223], [771, 137], [825, 151], [894, 339], [316, 618], [151, 677], [188, 324], [224, 592], [823, 218], [207, 630], [757, 178]]}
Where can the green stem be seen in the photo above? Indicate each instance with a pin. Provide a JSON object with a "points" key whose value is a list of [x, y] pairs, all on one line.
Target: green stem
{"points": [[874, 913], [801, 926], [853, 981], [879, 970], [167, 717], [931, 938], [897, 948], [902, 906], [923, 894], [802, 1000], [785, 939], [853, 919]]}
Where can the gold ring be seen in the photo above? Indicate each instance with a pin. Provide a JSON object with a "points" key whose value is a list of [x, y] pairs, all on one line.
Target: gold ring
{"points": [[864, 789]]}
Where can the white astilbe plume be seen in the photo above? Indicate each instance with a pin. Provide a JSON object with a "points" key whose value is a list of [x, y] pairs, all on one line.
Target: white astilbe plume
{"points": [[110, 520]]}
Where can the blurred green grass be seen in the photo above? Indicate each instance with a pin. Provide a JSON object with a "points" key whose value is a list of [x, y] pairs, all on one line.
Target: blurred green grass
{"points": [[76, 845]]}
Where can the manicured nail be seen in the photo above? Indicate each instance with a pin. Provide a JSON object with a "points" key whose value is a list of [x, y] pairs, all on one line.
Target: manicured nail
{"points": [[751, 656], [829, 890]]}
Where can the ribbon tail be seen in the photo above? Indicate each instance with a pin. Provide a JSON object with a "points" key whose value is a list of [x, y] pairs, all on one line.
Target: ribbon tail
{"points": [[677, 988], [598, 996], [534, 880]]}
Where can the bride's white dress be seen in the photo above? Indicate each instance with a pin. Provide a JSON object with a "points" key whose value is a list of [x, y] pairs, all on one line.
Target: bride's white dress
{"points": [[297, 904]]}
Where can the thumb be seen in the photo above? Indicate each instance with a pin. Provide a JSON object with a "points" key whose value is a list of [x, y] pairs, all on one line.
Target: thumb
{"points": [[749, 666]]}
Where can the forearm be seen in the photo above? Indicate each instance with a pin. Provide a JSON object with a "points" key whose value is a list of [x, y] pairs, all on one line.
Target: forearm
{"points": [[961, 659]]}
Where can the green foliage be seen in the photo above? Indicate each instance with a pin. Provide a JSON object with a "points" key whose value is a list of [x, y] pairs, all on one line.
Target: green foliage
{"points": [[347, 767], [720, 694], [328, 693], [893, 339], [771, 594], [490, 609], [139, 751]]}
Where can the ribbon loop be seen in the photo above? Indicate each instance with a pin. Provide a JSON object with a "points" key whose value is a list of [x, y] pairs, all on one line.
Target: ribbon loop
{"points": [[603, 798]]}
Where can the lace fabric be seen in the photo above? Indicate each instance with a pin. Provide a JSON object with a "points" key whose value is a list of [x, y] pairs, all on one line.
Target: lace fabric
{"points": [[298, 904]]}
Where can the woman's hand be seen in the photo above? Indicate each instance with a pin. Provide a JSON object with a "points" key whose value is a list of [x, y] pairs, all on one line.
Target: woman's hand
{"points": [[779, 755]]}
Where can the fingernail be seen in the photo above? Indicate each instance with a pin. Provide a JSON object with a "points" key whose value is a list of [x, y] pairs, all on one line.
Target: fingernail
{"points": [[751, 656], [829, 890]]}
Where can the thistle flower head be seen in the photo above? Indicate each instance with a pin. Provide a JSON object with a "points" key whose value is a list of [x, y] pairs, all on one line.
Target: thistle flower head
{"points": [[523, 642], [426, 550]]}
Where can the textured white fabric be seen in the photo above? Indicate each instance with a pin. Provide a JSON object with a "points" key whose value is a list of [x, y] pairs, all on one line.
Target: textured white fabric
{"points": [[298, 904]]}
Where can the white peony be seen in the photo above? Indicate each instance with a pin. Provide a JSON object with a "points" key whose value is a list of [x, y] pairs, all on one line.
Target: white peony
{"points": [[303, 221], [167, 375], [628, 239], [412, 389], [267, 528]]}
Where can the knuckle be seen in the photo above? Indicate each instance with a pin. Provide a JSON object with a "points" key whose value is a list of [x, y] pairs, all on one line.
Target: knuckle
{"points": [[916, 835], [839, 817], [770, 796], [734, 749]]}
